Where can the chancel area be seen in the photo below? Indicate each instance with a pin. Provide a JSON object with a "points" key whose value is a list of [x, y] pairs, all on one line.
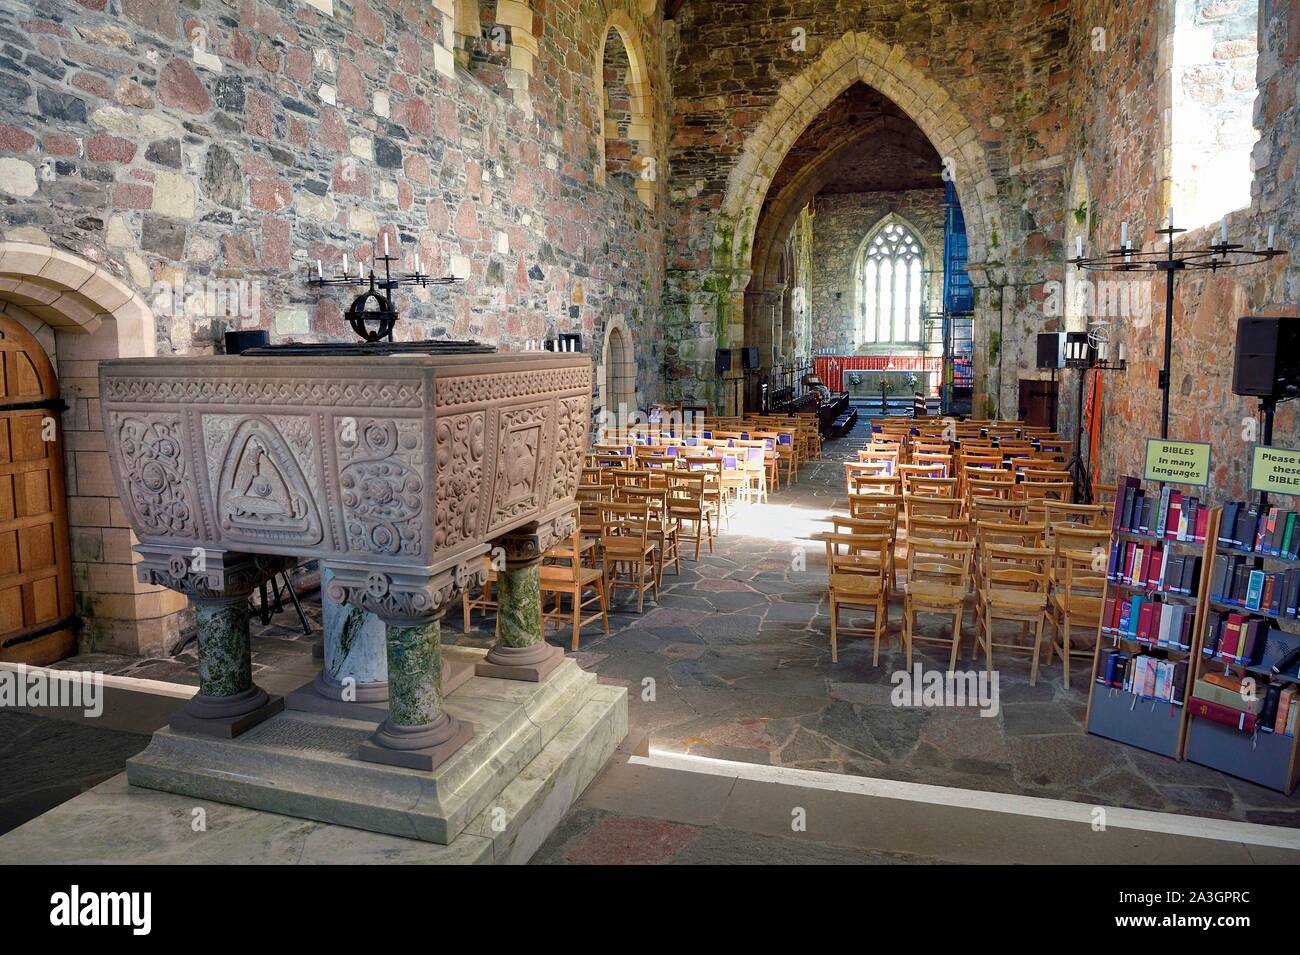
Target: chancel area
{"points": [[601, 432]]}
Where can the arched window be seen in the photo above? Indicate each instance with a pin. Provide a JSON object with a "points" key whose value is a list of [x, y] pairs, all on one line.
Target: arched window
{"points": [[889, 285]]}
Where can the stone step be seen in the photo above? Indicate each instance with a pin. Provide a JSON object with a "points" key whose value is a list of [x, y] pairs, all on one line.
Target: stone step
{"points": [[304, 764]]}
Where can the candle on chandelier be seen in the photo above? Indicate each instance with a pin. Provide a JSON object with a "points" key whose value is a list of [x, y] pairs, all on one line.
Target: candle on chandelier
{"points": [[345, 263], [1078, 246], [320, 270], [1171, 217], [1223, 231], [385, 243], [1123, 235], [1272, 230]]}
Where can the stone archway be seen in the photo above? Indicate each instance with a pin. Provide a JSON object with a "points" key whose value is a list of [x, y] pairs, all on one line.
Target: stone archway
{"points": [[640, 107], [616, 374], [852, 58], [82, 314]]}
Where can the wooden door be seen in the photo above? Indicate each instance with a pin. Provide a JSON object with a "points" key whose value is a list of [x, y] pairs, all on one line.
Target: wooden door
{"points": [[35, 564], [1038, 399]]}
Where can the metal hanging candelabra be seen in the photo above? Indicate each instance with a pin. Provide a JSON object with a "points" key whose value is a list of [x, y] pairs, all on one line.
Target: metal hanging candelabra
{"points": [[1170, 261], [375, 324]]}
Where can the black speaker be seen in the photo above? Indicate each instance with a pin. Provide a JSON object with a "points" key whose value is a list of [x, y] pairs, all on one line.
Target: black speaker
{"points": [[722, 360], [1267, 363], [239, 342], [749, 358], [1051, 350]]}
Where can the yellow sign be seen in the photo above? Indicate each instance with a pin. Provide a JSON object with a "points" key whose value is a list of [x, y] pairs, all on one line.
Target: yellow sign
{"points": [[1275, 470], [1178, 462]]}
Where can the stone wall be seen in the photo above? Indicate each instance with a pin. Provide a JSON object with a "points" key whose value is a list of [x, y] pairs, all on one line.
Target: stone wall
{"points": [[839, 227], [1119, 145], [208, 153], [984, 80]]}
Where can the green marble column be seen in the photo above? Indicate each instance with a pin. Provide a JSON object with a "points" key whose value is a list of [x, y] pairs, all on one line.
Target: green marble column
{"points": [[521, 651], [415, 674], [519, 605], [225, 651]]}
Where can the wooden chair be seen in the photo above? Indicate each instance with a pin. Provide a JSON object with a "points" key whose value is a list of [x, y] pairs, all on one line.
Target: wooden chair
{"points": [[483, 602], [857, 565], [876, 484], [1014, 588], [997, 510], [572, 578], [915, 472], [627, 549], [711, 468], [1076, 605], [935, 528], [871, 527], [876, 506], [932, 486], [936, 581], [1061, 512], [687, 504], [661, 530], [923, 505]]}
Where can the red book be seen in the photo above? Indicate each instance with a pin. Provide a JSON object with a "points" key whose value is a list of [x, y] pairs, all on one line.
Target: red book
{"points": [[1153, 567], [1202, 524], [1174, 515], [1144, 621], [1231, 642], [1225, 715], [1108, 614]]}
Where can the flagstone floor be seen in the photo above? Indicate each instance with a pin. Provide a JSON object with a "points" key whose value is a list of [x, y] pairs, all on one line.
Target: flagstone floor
{"points": [[733, 661]]}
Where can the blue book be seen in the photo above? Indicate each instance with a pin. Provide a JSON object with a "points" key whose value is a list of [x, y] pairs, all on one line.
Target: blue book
{"points": [[1254, 589]]}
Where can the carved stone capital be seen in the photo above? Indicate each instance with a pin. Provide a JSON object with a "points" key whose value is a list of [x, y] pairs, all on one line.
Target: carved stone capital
{"points": [[404, 599], [527, 544], [206, 574]]}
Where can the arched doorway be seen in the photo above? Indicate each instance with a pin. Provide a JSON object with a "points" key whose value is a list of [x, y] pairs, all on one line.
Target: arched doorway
{"points": [[36, 597], [619, 381]]}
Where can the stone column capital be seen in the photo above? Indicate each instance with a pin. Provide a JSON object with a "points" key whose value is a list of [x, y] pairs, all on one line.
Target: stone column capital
{"points": [[402, 598], [526, 545], [203, 573]]}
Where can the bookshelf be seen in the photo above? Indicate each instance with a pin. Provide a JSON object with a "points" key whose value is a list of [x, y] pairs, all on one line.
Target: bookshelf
{"points": [[1250, 626], [1152, 617]]}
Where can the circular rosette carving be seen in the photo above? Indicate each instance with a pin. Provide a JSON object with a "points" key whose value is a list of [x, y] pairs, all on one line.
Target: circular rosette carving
{"points": [[153, 469], [382, 495]]}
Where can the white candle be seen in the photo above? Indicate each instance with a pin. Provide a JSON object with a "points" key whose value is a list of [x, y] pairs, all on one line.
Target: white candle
{"points": [[1123, 234], [320, 270], [1078, 246], [1171, 217], [417, 263], [1223, 231], [1121, 352], [345, 263], [385, 243], [1271, 232]]}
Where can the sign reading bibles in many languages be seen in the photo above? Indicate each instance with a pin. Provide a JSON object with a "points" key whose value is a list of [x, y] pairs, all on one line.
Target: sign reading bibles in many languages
{"points": [[1178, 462]]}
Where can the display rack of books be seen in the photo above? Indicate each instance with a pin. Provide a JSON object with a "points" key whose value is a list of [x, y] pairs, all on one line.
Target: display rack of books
{"points": [[1246, 689], [1156, 575]]}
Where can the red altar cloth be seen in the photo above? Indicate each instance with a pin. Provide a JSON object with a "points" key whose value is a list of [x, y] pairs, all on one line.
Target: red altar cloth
{"points": [[831, 368]]}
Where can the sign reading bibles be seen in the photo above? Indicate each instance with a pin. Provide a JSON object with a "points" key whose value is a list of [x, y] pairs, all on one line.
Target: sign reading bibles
{"points": [[1178, 462], [1275, 470]]}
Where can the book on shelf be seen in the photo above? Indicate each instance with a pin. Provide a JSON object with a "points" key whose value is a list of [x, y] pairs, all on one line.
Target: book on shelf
{"points": [[1144, 676], [1166, 515], [1270, 532], [1234, 581]]}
